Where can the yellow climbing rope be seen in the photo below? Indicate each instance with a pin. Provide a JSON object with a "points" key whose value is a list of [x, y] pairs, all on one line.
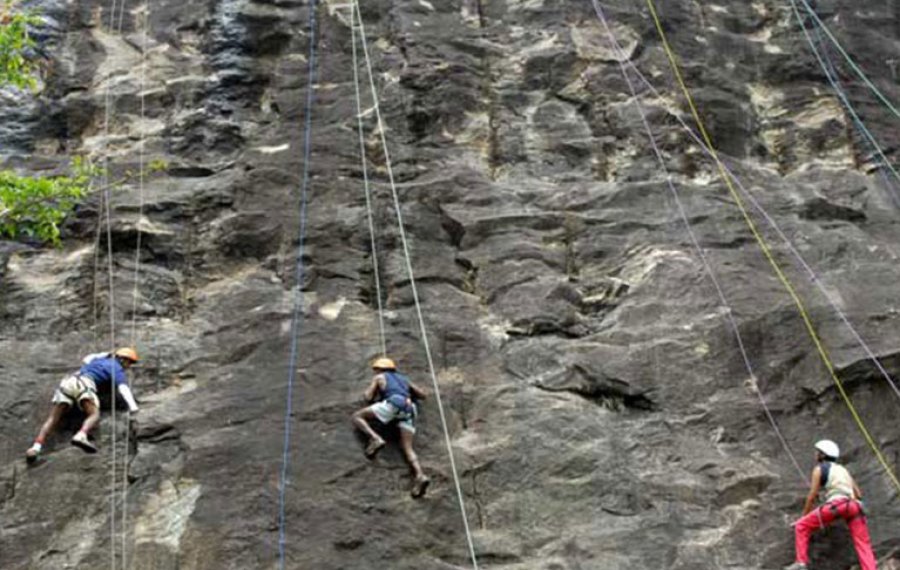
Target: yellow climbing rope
{"points": [[767, 252]]}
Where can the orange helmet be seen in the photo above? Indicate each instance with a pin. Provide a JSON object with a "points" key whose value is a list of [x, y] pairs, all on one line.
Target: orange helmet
{"points": [[127, 353], [384, 364]]}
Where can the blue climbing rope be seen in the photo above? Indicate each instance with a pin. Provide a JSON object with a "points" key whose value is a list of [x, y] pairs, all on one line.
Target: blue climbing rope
{"points": [[883, 166], [842, 95], [815, 279], [297, 318], [704, 260], [820, 25]]}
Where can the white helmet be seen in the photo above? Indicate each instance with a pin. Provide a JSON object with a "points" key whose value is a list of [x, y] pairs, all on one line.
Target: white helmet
{"points": [[828, 448]]}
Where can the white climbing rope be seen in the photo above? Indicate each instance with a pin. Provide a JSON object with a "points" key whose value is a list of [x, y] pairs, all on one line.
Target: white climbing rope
{"points": [[137, 264], [813, 277], [94, 295], [365, 173], [141, 174], [111, 28], [720, 293], [412, 284], [111, 302]]}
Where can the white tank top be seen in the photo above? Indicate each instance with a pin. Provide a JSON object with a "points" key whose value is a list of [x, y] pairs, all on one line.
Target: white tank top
{"points": [[839, 484]]}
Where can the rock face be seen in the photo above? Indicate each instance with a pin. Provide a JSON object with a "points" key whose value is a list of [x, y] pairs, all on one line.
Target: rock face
{"points": [[599, 410]]}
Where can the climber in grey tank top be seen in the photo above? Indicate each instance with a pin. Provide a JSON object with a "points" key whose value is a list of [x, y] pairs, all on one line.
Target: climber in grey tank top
{"points": [[843, 500]]}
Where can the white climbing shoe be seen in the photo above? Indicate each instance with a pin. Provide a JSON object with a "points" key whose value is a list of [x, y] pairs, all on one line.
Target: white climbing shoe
{"points": [[32, 455], [81, 440]]}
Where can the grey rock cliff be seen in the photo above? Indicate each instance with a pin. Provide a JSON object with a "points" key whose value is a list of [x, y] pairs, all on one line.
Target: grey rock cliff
{"points": [[599, 409]]}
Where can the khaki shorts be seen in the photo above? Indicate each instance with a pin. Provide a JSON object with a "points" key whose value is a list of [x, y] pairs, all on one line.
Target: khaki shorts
{"points": [[387, 412], [76, 389]]}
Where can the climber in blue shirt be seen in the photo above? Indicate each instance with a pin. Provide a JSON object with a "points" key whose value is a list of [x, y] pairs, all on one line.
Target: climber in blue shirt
{"points": [[393, 398], [98, 373]]}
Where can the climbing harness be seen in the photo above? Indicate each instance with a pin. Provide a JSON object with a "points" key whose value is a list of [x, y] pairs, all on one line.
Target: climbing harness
{"points": [[764, 247], [729, 313], [412, 283]]}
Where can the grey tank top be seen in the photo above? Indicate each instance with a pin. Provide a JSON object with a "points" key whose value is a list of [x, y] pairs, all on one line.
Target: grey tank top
{"points": [[839, 483]]}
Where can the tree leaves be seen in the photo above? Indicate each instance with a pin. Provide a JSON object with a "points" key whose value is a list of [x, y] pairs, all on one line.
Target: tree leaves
{"points": [[18, 66], [34, 208]]}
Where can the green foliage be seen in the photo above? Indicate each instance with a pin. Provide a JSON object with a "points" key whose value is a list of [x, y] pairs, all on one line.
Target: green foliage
{"points": [[35, 207], [16, 66]]}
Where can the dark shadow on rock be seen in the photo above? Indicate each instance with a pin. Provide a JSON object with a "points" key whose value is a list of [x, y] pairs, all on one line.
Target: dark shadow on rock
{"points": [[822, 209], [602, 390]]}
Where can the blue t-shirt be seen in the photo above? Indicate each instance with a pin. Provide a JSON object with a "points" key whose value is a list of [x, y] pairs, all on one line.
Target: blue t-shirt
{"points": [[102, 370], [396, 391], [396, 384]]}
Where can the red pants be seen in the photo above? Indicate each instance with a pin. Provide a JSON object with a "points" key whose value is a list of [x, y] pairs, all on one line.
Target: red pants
{"points": [[823, 516]]}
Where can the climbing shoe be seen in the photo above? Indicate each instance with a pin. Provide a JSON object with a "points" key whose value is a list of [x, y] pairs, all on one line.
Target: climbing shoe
{"points": [[374, 447], [32, 455], [420, 486], [81, 440], [796, 566]]}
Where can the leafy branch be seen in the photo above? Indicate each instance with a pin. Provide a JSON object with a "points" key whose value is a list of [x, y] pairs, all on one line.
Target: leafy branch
{"points": [[35, 207], [18, 66], [32, 207]]}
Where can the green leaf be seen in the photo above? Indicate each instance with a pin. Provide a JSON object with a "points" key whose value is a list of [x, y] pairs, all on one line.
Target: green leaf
{"points": [[17, 68], [36, 207]]}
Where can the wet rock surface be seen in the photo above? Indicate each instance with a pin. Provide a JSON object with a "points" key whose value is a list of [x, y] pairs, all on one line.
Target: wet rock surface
{"points": [[599, 410]]}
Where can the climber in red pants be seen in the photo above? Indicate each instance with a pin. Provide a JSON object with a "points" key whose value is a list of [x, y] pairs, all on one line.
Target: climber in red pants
{"points": [[843, 500]]}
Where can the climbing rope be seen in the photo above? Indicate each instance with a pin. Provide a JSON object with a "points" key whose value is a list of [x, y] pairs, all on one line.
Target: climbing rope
{"points": [[412, 284], [831, 69], [137, 265], [111, 309], [842, 95], [297, 317], [764, 247], [620, 57], [889, 185], [96, 277], [135, 294], [859, 72], [110, 269], [813, 277], [365, 173]]}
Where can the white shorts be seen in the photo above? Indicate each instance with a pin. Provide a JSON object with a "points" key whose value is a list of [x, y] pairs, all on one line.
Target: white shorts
{"points": [[387, 412], [76, 389]]}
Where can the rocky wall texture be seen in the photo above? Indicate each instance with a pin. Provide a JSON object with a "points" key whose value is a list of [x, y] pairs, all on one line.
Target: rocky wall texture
{"points": [[600, 412]]}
